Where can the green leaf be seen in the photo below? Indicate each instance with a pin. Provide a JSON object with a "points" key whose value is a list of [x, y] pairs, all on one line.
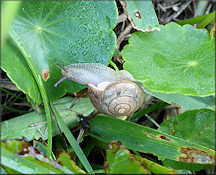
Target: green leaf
{"points": [[24, 158], [195, 20], [14, 145], [121, 161], [186, 102], [63, 31], [144, 139], [17, 69], [65, 159], [196, 126], [174, 60], [34, 125], [141, 15], [10, 171], [31, 125], [118, 154]]}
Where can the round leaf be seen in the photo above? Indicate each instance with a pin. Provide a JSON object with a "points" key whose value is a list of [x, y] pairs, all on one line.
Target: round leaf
{"points": [[64, 31], [174, 60]]}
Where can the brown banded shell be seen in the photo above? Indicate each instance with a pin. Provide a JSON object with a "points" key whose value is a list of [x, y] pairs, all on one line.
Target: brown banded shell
{"points": [[118, 98]]}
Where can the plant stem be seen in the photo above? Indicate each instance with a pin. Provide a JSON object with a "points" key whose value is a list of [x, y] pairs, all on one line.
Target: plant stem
{"points": [[72, 140], [41, 87], [115, 67], [13, 110], [12, 94]]}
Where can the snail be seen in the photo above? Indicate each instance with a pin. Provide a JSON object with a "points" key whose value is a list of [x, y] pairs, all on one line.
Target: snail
{"points": [[109, 93]]}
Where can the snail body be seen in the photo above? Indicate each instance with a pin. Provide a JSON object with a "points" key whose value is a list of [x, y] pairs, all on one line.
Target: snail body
{"points": [[91, 73], [109, 93]]}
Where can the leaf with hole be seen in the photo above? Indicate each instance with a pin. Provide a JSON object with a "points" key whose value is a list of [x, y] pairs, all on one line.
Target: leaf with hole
{"points": [[197, 126], [20, 156], [141, 15], [144, 139]]}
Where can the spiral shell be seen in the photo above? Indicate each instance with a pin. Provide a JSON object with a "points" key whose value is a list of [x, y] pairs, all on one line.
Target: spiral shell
{"points": [[117, 98]]}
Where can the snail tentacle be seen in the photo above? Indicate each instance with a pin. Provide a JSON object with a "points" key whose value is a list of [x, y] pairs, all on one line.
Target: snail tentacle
{"points": [[62, 79]]}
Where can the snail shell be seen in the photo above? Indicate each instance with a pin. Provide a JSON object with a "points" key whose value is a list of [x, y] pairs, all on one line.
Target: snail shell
{"points": [[109, 93], [117, 98]]}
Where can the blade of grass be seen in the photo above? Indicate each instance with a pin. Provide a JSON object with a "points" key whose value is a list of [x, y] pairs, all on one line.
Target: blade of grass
{"points": [[12, 94], [195, 20], [72, 140], [207, 20], [13, 110], [87, 151], [39, 81]]}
